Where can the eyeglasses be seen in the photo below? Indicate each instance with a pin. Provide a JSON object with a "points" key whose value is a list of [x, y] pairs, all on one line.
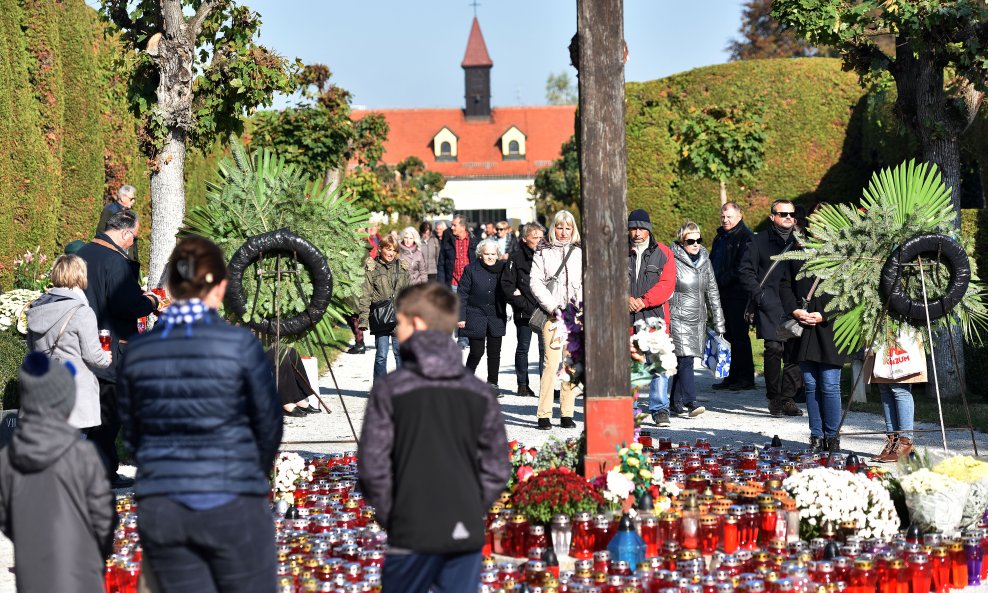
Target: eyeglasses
{"points": [[693, 241], [502, 228], [785, 214]]}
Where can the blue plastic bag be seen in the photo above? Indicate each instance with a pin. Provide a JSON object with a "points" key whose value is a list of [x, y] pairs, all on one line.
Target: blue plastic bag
{"points": [[717, 355]]}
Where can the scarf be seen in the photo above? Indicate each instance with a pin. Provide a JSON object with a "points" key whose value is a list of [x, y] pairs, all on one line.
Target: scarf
{"points": [[494, 269], [185, 313]]}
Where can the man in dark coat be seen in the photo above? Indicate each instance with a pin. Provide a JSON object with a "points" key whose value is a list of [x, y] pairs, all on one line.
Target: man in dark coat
{"points": [[116, 297], [728, 250], [761, 283], [515, 285], [126, 196], [652, 278], [55, 501], [431, 409], [457, 250]]}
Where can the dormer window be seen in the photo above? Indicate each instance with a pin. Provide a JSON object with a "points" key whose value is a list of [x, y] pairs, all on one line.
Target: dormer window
{"points": [[444, 145], [513, 144]]}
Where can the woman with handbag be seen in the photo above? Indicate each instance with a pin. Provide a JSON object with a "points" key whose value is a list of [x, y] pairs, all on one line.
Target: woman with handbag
{"points": [[384, 277], [817, 354], [555, 280], [695, 297], [483, 309], [62, 324]]}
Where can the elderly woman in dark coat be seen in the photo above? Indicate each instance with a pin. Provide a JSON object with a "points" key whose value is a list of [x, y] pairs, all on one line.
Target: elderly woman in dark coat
{"points": [[483, 311], [696, 298]]}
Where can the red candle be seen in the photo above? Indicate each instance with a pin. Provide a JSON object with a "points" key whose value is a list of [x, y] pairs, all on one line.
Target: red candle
{"points": [[729, 540], [708, 534], [941, 569], [920, 573], [768, 516], [582, 544], [958, 566]]}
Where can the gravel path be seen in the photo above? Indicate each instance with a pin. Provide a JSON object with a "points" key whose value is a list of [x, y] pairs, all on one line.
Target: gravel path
{"points": [[731, 418]]}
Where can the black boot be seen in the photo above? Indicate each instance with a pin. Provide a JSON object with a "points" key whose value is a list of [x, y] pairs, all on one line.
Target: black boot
{"points": [[816, 444], [832, 445]]}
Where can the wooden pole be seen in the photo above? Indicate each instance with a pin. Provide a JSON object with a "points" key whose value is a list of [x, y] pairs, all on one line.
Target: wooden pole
{"points": [[603, 189]]}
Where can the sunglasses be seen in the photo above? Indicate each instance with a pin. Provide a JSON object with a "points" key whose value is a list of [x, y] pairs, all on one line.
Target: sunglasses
{"points": [[785, 214], [693, 241]]}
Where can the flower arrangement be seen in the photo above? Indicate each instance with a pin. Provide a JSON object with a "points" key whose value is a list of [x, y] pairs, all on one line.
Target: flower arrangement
{"points": [[966, 469], [570, 325], [555, 452], [634, 476], [13, 307], [555, 491], [935, 501], [290, 470], [652, 351], [828, 495], [522, 459], [31, 270]]}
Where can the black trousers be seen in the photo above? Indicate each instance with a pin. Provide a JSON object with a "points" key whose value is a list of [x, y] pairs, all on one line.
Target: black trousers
{"points": [[742, 363], [104, 436], [782, 375], [227, 549], [493, 356], [354, 324]]}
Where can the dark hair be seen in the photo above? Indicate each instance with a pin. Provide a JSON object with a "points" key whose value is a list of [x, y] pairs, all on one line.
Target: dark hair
{"points": [[425, 226], [195, 266], [124, 220], [779, 203], [433, 303]]}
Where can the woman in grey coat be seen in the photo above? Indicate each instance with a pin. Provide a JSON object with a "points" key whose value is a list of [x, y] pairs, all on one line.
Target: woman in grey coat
{"points": [[62, 318], [695, 299], [430, 248]]}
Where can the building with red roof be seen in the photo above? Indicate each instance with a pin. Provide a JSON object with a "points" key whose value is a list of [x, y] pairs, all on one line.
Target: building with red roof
{"points": [[489, 156]]}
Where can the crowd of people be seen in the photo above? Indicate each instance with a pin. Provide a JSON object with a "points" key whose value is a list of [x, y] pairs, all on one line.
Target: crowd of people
{"points": [[502, 275]]}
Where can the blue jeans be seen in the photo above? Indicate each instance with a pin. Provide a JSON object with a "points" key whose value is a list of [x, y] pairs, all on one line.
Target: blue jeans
{"points": [[227, 548], [822, 382], [683, 386], [439, 573], [658, 394], [521, 353], [897, 406], [381, 354]]}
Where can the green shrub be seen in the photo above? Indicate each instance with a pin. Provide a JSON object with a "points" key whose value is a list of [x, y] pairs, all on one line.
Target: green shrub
{"points": [[12, 353], [974, 227]]}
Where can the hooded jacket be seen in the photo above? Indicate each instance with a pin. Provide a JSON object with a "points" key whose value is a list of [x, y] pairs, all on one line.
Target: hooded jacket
{"points": [[655, 281], [433, 455], [55, 505], [79, 344], [696, 298]]}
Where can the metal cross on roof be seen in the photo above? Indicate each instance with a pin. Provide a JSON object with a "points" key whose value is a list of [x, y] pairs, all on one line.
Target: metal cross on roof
{"points": [[474, 4]]}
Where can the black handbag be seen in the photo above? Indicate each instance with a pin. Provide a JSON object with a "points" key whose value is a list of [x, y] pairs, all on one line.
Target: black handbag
{"points": [[383, 318], [790, 328], [540, 317]]}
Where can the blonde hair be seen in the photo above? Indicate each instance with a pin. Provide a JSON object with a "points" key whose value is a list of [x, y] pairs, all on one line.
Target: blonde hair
{"points": [[564, 216], [69, 271], [688, 227]]}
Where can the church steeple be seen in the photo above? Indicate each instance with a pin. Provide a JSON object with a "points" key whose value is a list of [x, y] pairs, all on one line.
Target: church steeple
{"points": [[477, 66]]}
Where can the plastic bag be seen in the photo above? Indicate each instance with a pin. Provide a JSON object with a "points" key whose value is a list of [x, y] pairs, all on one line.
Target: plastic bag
{"points": [[936, 502], [717, 354], [902, 358]]}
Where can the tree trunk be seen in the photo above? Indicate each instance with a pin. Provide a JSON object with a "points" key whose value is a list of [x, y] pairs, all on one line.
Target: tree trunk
{"points": [[603, 175], [167, 205], [723, 192]]}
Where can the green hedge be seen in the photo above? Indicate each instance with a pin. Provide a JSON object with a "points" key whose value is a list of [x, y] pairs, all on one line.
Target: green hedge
{"points": [[814, 115], [12, 353], [974, 227]]}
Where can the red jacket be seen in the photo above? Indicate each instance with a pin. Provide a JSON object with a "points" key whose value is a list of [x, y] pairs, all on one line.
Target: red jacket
{"points": [[655, 281]]}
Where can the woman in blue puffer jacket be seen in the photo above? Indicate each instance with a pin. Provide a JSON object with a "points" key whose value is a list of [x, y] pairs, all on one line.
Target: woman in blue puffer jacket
{"points": [[201, 413]]}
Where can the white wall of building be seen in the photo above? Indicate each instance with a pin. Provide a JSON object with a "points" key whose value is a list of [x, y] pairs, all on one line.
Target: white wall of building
{"points": [[489, 194]]}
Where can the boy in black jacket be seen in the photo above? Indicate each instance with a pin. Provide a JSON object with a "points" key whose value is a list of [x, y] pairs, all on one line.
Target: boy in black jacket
{"points": [[433, 455]]}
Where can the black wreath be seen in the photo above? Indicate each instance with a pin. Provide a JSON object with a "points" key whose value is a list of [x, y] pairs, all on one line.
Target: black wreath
{"points": [[277, 242], [932, 248]]}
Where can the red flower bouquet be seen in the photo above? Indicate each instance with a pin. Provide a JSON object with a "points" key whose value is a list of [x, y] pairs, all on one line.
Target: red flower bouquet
{"points": [[555, 491]]}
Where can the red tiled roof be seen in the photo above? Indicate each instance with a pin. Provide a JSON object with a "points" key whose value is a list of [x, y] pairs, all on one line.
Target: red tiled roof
{"points": [[546, 128], [476, 54]]}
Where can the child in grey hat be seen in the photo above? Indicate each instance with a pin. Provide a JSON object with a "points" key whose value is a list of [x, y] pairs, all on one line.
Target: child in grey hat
{"points": [[55, 499]]}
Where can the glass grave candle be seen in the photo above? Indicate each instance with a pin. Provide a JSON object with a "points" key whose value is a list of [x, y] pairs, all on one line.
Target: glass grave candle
{"points": [[958, 565], [709, 536], [730, 537], [974, 555], [668, 528], [768, 517], [920, 573], [690, 524], [650, 534], [750, 526], [940, 560], [583, 536], [602, 532], [562, 535], [536, 538]]}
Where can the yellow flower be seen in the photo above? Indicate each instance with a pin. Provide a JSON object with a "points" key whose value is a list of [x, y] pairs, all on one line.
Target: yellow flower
{"points": [[629, 475], [623, 451], [645, 474], [632, 461], [636, 447]]}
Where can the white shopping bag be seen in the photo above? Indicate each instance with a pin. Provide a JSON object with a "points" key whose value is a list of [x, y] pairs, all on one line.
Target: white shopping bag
{"points": [[311, 366], [717, 355], [903, 357]]}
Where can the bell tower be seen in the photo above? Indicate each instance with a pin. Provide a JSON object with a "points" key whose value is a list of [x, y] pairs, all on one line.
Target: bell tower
{"points": [[477, 66]]}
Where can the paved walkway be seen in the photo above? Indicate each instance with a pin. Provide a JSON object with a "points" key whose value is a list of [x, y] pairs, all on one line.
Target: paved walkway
{"points": [[731, 418]]}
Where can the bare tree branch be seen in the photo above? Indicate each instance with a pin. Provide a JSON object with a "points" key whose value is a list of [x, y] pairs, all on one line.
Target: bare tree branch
{"points": [[195, 24]]}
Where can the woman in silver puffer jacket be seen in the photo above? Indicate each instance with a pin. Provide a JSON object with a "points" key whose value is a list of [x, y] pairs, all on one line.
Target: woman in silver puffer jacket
{"points": [[696, 298]]}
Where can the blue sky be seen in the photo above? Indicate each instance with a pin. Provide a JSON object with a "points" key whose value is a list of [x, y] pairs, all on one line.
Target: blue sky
{"points": [[393, 53]]}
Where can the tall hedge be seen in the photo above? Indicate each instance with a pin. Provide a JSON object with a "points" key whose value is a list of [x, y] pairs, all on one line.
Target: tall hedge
{"points": [[66, 137], [814, 114]]}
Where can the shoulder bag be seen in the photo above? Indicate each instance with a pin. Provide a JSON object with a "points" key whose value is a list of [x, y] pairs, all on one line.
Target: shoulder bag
{"points": [[383, 318], [790, 328], [540, 316], [61, 331], [751, 308]]}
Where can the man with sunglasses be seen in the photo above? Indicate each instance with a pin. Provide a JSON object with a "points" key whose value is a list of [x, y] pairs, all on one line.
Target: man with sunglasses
{"points": [[728, 250], [782, 375], [652, 275]]}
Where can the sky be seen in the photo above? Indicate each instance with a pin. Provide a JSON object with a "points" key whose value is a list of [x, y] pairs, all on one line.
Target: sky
{"points": [[393, 53]]}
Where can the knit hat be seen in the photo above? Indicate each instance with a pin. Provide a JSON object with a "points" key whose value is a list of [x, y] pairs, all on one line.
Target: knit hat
{"points": [[74, 246], [639, 220], [47, 387]]}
